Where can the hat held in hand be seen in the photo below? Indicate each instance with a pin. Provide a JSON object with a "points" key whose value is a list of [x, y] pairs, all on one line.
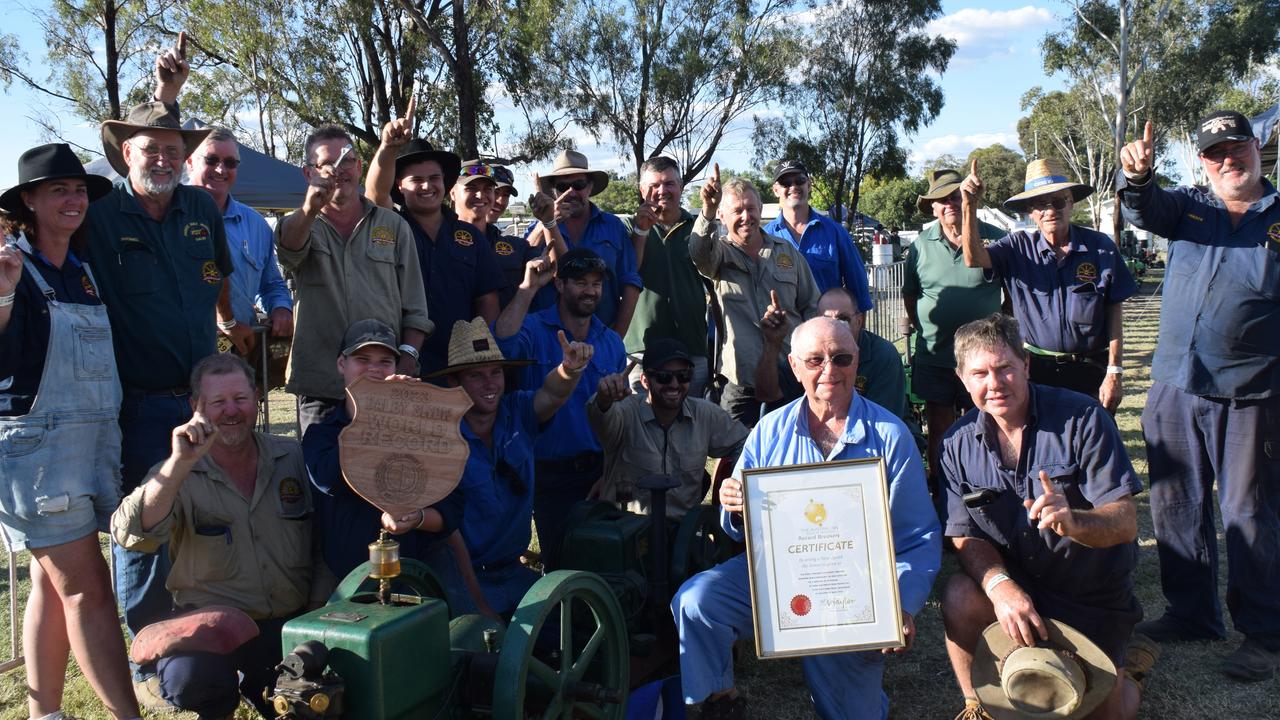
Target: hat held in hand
{"points": [[1063, 678]]}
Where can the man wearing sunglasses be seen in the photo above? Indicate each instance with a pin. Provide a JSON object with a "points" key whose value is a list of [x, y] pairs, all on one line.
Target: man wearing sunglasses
{"points": [[825, 243], [569, 457], [1066, 282], [829, 423], [1213, 412], [256, 282], [660, 432], [562, 204]]}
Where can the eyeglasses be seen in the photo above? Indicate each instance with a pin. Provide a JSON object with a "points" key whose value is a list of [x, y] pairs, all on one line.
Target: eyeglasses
{"points": [[577, 185], [479, 170], [229, 163], [1058, 203], [1219, 152], [793, 181], [841, 360], [663, 377], [952, 199], [584, 265], [151, 152], [348, 162]]}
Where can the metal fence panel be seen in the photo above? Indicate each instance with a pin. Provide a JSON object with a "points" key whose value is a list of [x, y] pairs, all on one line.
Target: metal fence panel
{"points": [[11, 657], [885, 283]]}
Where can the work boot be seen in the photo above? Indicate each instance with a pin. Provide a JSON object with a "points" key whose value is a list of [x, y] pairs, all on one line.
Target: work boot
{"points": [[149, 697], [1139, 658], [973, 710], [1251, 662], [1169, 629]]}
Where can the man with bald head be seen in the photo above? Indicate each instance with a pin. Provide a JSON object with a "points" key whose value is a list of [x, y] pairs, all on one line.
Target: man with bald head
{"points": [[830, 422], [1213, 412]]}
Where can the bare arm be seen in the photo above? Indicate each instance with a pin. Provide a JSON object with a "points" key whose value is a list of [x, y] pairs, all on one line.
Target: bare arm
{"points": [[190, 442], [486, 306], [561, 381], [382, 170], [626, 309], [1112, 389], [1012, 606], [1108, 525], [537, 273], [975, 253], [774, 326]]}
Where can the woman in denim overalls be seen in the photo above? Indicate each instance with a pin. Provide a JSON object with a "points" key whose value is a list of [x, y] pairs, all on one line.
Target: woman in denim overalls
{"points": [[59, 436]]}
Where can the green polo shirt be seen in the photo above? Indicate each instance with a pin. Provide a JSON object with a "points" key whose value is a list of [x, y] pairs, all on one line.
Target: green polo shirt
{"points": [[673, 303], [159, 280], [949, 293]]}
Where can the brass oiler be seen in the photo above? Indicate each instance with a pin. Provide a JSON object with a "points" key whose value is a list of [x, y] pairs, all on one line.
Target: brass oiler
{"points": [[384, 556]]}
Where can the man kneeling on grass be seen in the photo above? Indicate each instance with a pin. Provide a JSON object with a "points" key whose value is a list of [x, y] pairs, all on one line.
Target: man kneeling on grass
{"points": [[1040, 508]]}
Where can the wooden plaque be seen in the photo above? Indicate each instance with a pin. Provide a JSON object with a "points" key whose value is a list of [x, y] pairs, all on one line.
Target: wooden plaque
{"points": [[403, 450]]}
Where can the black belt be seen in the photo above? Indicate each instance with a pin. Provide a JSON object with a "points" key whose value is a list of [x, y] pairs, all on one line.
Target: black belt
{"points": [[1096, 357], [576, 464], [176, 391]]}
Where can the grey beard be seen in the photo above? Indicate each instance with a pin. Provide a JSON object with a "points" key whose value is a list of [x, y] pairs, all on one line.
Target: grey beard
{"points": [[154, 188]]}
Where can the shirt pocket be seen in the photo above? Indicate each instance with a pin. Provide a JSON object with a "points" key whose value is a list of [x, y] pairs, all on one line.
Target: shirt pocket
{"points": [[321, 270], [785, 278], [138, 268], [1185, 257], [381, 252], [1086, 307], [1065, 479], [213, 550], [1265, 276]]}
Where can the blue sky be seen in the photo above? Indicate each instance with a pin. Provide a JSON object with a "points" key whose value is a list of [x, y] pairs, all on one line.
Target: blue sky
{"points": [[998, 60]]}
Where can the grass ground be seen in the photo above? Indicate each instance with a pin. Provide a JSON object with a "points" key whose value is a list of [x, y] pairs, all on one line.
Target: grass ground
{"points": [[1186, 684]]}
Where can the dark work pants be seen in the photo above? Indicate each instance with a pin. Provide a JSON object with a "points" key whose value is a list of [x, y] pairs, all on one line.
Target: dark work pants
{"points": [[559, 486], [741, 403], [1083, 377], [1191, 443], [146, 429], [207, 684]]}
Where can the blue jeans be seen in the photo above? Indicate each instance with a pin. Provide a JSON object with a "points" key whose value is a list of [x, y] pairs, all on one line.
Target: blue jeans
{"points": [[146, 426], [713, 609]]}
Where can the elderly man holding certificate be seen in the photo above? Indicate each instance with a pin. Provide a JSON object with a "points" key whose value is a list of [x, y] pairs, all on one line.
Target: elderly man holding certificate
{"points": [[830, 423]]}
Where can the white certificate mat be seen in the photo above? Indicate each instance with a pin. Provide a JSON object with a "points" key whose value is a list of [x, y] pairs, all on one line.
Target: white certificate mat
{"points": [[821, 559]]}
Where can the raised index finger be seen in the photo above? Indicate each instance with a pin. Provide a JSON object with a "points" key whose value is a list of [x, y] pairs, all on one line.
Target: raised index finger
{"points": [[973, 168], [411, 107], [715, 172], [181, 45], [773, 298], [564, 341], [1148, 133], [1044, 483]]}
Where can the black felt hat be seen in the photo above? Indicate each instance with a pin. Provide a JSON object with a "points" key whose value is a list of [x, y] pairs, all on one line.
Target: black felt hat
{"points": [[54, 161]]}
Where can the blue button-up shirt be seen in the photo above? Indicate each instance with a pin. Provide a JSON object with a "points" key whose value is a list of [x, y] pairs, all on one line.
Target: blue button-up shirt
{"points": [[782, 438], [831, 254], [256, 281], [1220, 317], [1062, 306], [608, 237], [498, 483], [1073, 439], [568, 433]]}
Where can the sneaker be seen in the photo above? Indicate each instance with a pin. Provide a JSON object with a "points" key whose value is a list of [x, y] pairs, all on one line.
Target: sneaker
{"points": [[973, 710], [149, 697], [1140, 657], [1168, 629], [1251, 662], [725, 708]]}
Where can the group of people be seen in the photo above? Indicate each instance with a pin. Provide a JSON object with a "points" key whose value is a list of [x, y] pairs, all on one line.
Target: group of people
{"points": [[585, 348]]}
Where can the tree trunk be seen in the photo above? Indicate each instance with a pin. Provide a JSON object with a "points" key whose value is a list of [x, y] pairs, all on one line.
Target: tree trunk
{"points": [[109, 14], [464, 81], [1122, 110]]}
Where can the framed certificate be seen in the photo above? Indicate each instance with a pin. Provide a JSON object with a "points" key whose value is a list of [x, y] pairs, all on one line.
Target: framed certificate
{"points": [[820, 558]]}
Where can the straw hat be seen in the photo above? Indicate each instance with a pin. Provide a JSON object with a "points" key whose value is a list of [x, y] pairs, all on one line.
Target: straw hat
{"points": [[147, 116], [941, 184], [472, 345], [54, 161], [1065, 678], [572, 162], [1045, 177]]}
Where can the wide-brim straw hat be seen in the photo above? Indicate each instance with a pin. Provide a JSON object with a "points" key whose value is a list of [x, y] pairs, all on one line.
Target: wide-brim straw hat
{"points": [[1064, 678], [54, 161], [941, 184], [572, 162], [1045, 177], [472, 345], [147, 116]]}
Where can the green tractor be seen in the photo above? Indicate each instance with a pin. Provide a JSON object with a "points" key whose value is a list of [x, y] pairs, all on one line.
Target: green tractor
{"points": [[387, 646]]}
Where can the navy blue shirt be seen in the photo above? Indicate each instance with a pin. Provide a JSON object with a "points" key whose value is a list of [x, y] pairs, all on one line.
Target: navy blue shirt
{"points": [[831, 254], [498, 483], [608, 237], [458, 266], [1220, 316], [568, 433], [1073, 439], [25, 342], [513, 253], [346, 522], [1062, 306]]}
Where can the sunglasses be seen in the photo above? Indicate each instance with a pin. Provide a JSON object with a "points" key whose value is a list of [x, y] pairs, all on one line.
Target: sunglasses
{"points": [[840, 360], [479, 170], [1059, 203], [579, 265], [794, 181], [664, 377], [229, 163], [1220, 152], [577, 186]]}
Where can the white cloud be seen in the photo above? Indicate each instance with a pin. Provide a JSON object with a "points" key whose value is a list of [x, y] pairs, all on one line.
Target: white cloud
{"points": [[960, 145], [981, 33]]}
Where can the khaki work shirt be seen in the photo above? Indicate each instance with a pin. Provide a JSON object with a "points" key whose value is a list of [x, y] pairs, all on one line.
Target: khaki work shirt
{"points": [[259, 555], [375, 274], [743, 286], [636, 445]]}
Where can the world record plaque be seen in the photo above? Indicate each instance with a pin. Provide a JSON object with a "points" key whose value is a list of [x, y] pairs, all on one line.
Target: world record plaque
{"points": [[820, 558], [403, 450]]}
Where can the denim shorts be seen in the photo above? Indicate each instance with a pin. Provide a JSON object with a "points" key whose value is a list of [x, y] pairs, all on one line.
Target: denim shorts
{"points": [[59, 478]]}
